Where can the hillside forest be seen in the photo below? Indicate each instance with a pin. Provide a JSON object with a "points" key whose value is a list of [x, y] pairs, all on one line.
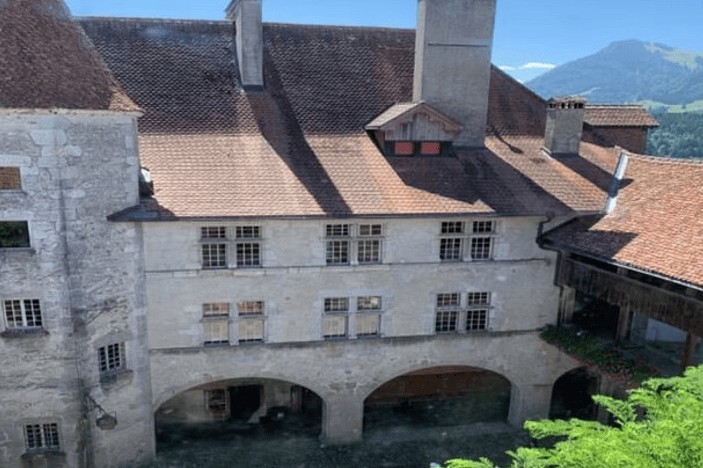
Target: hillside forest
{"points": [[679, 135]]}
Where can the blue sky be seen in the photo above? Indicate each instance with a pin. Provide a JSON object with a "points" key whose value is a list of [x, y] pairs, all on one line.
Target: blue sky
{"points": [[530, 35]]}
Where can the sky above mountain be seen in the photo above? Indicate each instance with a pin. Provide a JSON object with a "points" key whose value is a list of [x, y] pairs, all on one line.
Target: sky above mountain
{"points": [[531, 37]]}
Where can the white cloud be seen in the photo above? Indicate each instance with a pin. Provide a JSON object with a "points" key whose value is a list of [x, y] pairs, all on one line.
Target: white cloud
{"points": [[528, 66], [537, 65]]}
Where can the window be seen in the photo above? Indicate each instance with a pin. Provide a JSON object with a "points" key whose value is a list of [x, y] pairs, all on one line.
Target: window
{"points": [[216, 402], [452, 317], [418, 148], [214, 247], [447, 312], [111, 358], [336, 317], [43, 436], [215, 323], [453, 238], [352, 317], [368, 316], [478, 304], [22, 313], [248, 246], [14, 234], [347, 244], [251, 321], [10, 178]]}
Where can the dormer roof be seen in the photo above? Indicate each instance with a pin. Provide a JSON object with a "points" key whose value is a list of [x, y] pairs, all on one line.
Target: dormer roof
{"points": [[408, 112]]}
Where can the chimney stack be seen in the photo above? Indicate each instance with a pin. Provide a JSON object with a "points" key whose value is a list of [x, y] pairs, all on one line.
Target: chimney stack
{"points": [[453, 62], [246, 15], [562, 135]]}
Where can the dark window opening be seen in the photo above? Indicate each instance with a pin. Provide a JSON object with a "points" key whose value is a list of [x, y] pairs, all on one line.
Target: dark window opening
{"points": [[14, 234]]}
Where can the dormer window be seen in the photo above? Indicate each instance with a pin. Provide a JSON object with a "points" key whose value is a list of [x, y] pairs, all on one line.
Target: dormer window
{"points": [[413, 130], [417, 148]]}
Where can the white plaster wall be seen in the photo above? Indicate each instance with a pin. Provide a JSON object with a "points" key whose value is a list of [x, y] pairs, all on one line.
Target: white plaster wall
{"points": [[411, 275]]}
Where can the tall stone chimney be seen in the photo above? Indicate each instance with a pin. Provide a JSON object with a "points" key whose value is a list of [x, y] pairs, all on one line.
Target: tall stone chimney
{"points": [[453, 62], [246, 15], [562, 134]]}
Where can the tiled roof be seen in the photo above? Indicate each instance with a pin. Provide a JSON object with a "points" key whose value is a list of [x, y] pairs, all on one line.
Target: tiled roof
{"points": [[619, 116], [300, 149], [656, 225], [46, 61]]}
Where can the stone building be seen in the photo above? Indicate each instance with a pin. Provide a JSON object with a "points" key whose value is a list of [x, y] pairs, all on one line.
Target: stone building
{"points": [[323, 215]]}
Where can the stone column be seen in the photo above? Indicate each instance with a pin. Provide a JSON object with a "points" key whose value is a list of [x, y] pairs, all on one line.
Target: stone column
{"points": [[529, 401], [342, 420]]}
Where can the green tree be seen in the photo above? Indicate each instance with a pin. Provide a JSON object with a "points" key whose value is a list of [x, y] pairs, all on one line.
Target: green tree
{"points": [[659, 425]]}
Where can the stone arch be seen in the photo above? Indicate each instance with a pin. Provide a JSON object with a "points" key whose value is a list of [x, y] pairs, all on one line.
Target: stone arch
{"points": [[571, 394]]}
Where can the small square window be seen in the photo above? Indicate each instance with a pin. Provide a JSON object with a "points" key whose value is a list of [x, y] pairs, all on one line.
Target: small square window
{"points": [[368, 251], [337, 252], [213, 232], [447, 300], [335, 326], [452, 227], [214, 256], [337, 230], [450, 249], [478, 298], [481, 248], [22, 313], [10, 178], [403, 148], [248, 254], [247, 232], [370, 230], [446, 321], [365, 303], [476, 319], [14, 234], [44, 436], [111, 358], [367, 325]]}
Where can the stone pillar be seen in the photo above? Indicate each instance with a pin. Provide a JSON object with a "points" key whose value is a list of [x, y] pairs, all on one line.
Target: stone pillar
{"points": [[342, 420], [529, 401]]}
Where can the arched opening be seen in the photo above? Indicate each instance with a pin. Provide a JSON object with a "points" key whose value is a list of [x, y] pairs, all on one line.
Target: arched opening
{"points": [[241, 409], [439, 396], [572, 395]]}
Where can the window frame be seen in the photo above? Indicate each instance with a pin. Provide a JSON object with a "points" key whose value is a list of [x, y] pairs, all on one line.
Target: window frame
{"points": [[16, 175], [23, 314], [417, 147], [251, 312], [26, 241], [468, 312], [467, 241], [214, 314], [347, 244], [352, 313], [49, 436], [119, 350], [239, 246]]}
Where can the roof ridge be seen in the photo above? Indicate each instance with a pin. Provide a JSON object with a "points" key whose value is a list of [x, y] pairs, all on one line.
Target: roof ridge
{"points": [[135, 19]]}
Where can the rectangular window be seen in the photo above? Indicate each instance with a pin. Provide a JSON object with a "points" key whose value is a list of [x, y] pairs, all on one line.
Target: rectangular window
{"points": [[430, 148], [44, 436], [454, 240], [478, 304], [251, 321], [215, 323], [22, 313], [337, 248], [10, 178], [358, 244], [403, 148], [447, 312], [214, 247], [111, 358], [368, 318], [335, 323], [368, 248], [248, 251], [14, 234]]}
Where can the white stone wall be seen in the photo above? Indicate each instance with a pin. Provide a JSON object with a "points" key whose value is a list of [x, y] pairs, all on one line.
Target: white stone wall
{"points": [[294, 280], [77, 168]]}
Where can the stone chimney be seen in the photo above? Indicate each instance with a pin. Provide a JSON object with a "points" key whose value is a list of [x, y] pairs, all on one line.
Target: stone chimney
{"points": [[246, 15], [453, 62], [562, 135]]}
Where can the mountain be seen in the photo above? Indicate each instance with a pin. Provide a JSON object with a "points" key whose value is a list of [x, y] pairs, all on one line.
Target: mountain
{"points": [[629, 71]]}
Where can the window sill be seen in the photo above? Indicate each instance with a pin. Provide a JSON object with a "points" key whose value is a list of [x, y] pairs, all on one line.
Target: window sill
{"points": [[109, 380], [23, 333], [17, 250], [44, 457]]}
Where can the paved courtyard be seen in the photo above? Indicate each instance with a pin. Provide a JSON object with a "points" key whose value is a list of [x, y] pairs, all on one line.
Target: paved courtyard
{"points": [[401, 446]]}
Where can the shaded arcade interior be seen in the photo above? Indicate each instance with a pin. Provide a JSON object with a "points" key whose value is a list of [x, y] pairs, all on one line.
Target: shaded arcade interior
{"points": [[235, 409], [438, 396]]}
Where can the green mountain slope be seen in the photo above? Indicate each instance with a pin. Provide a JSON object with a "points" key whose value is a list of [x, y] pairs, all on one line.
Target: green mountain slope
{"points": [[629, 71]]}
